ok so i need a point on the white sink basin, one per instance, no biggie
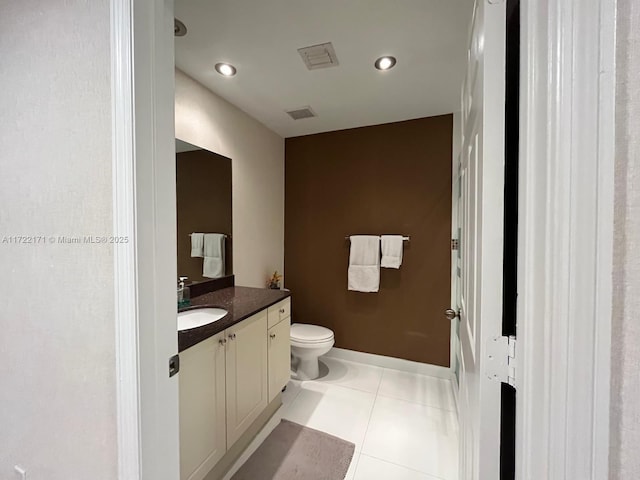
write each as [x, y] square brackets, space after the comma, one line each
[199, 317]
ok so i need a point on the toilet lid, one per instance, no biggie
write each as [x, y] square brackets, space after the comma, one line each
[304, 333]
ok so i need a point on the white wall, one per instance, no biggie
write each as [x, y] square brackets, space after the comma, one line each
[57, 407]
[625, 394]
[257, 154]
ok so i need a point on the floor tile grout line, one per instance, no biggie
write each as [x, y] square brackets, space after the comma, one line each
[369, 421]
[317, 382]
[295, 397]
[357, 460]
[404, 466]
[418, 403]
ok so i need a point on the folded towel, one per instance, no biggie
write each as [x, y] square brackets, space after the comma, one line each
[391, 251]
[364, 263]
[214, 255]
[197, 244]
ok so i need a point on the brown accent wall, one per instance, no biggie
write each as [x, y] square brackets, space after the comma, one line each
[385, 179]
[203, 193]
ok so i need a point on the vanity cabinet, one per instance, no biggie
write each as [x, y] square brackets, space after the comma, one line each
[279, 321]
[226, 383]
[246, 374]
[203, 439]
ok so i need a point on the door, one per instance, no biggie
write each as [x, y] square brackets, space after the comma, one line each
[246, 374]
[481, 205]
[279, 357]
[203, 439]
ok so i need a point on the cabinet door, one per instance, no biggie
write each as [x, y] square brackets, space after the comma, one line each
[203, 438]
[246, 374]
[279, 357]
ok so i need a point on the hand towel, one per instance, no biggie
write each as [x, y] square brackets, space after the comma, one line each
[214, 255]
[364, 263]
[197, 244]
[391, 251]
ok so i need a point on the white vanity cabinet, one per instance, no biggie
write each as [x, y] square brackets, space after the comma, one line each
[246, 374]
[203, 439]
[279, 321]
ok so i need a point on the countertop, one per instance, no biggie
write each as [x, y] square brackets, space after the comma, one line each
[240, 302]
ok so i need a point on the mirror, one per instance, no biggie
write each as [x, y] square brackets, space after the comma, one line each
[203, 205]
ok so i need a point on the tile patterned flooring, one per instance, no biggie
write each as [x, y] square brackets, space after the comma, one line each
[404, 425]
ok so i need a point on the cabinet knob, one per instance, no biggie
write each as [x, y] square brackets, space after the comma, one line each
[273, 335]
[282, 310]
[232, 336]
[222, 341]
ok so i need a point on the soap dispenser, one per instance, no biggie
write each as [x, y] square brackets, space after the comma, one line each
[184, 294]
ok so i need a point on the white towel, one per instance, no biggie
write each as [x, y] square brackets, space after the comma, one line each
[197, 244]
[391, 251]
[364, 263]
[213, 264]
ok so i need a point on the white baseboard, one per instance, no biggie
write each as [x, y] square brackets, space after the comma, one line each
[391, 362]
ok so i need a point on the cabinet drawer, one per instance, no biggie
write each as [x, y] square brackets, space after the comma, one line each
[279, 311]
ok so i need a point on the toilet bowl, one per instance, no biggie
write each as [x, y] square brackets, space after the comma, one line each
[308, 342]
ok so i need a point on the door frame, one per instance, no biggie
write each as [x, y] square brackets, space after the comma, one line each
[143, 173]
[564, 128]
[567, 133]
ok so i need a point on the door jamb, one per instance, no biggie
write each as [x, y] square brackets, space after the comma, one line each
[142, 70]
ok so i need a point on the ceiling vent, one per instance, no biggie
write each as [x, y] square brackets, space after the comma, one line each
[300, 113]
[319, 56]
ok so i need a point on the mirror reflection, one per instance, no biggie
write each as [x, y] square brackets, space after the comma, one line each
[203, 206]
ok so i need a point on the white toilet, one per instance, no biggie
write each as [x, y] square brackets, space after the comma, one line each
[308, 342]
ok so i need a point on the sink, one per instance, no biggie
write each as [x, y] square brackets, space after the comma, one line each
[199, 317]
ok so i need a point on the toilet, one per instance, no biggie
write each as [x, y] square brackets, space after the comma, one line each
[308, 342]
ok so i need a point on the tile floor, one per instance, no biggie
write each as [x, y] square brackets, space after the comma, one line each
[404, 425]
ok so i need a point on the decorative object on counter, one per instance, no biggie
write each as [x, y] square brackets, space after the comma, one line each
[274, 281]
[184, 294]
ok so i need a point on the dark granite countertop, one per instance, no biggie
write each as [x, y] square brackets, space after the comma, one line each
[240, 302]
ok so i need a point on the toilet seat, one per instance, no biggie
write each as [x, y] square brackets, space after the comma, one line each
[304, 334]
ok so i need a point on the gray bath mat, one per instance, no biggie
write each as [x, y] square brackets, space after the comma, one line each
[294, 452]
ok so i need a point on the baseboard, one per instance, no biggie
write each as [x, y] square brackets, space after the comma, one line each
[391, 362]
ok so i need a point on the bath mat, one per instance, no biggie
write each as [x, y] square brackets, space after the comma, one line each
[294, 452]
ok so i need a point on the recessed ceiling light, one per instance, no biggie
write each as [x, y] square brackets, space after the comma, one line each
[225, 69]
[385, 63]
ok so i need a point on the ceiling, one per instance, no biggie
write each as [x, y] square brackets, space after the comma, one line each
[261, 38]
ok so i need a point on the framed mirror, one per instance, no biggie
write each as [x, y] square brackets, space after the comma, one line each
[204, 213]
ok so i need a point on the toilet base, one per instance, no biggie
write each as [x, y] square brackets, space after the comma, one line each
[308, 368]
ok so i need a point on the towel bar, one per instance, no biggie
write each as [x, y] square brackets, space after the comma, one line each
[225, 236]
[406, 239]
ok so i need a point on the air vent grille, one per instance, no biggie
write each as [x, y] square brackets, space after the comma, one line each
[300, 113]
[319, 56]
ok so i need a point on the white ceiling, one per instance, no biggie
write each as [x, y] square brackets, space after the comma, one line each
[261, 37]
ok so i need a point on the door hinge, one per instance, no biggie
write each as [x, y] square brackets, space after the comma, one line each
[455, 244]
[501, 360]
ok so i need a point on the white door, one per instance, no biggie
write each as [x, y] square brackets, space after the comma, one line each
[481, 243]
